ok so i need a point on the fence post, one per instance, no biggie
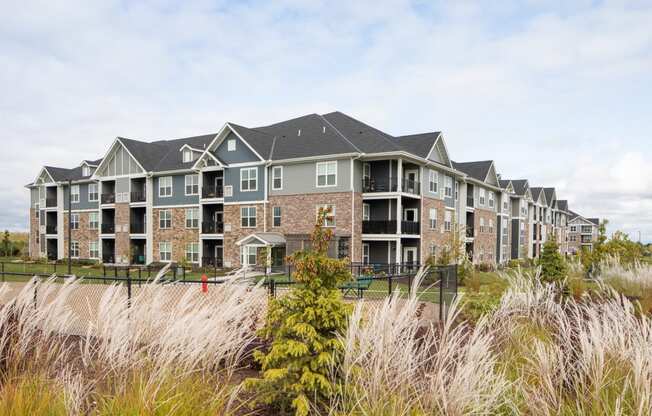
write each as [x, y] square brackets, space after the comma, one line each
[128, 289]
[184, 274]
[389, 285]
[35, 294]
[3, 272]
[272, 288]
[441, 296]
[55, 267]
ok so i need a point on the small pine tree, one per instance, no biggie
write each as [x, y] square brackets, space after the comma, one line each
[552, 263]
[303, 328]
[6, 242]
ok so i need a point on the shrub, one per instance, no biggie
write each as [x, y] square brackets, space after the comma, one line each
[303, 328]
[552, 263]
[485, 267]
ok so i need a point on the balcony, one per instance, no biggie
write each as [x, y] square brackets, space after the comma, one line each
[212, 261]
[379, 184]
[50, 202]
[108, 228]
[378, 227]
[137, 228]
[470, 232]
[108, 198]
[411, 187]
[410, 227]
[469, 201]
[50, 229]
[212, 227]
[136, 197]
[212, 191]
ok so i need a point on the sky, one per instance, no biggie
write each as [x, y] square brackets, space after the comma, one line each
[559, 93]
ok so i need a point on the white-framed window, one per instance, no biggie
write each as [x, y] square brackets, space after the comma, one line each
[366, 171]
[192, 184]
[448, 220]
[248, 179]
[329, 220]
[433, 250]
[448, 186]
[277, 178]
[573, 238]
[93, 221]
[93, 250]
[74, 221]
[482, 196]
[187, 155]
[164, 219]
[482, 225]
[74, 249]
[192, 217]
[165, 186]
[192, 252]
[491, 225]
[86, 171]
[165, 250]
[326, 174]
[366, 212]
[432, 217]
[230, 145]
[365, 253]
[276, 216]
[248, 255]
[93, 194]
[505, 206]
[491, 199]
[74, 194]
[433, 181]
[573, 228]
[248, 217]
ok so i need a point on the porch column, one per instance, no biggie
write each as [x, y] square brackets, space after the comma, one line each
[399, 214]
[399, 175]
[399, 251]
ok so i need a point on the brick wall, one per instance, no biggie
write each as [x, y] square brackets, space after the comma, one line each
[178, 234]
[232, 219]
[436, 236]
[485, 242]
[84, 235]
[34, 248]
[122, 254]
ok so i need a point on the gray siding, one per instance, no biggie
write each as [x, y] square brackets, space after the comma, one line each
[241, 154]
[516, 232]
[83, 203]
[232, 177]
[301, 178]
[33, 197]
[178, 192]
[120, 163]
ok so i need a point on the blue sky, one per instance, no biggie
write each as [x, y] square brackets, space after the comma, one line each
[559, 93]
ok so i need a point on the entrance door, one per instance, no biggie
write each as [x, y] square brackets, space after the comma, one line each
[410, 214]
[410, 255]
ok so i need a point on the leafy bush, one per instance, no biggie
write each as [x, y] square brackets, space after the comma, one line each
[485, 267]
[303, 328]
[552, 263]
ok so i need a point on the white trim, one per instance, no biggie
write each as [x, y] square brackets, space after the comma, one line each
[95, 175]
[316, 158]
[252, 169]
[171, 186]
[218, 139]
[327, 163]
[273, 178]
[185, 184]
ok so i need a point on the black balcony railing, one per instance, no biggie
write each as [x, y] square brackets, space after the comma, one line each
[108, 258]
[469, 231]
[410, 227]
[469, 201]
[108, 228]
[50, 202]
[411, 187]
[138, 196]
[380, 184]
[212, 191]
[212, 227]
[138, 259]
[137, 228]
[108, 198]
[50, 229]
[379, 227]
[212, 261]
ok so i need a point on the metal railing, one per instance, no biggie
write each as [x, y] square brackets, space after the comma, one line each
[108, 198]
[50, 202]
[470, 231]
[137, 197]
[378, 227]
[389, 184]
[469, 201]
[137, 228]
[411, 187]
[212, 191]
[50, 229]
[108, 228]
[212, 227]
[410, 227]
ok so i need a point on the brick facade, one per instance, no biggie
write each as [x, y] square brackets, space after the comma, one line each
[83, 235]
[236, 232]
[178, 235]
[484, 244]
[122, 254]
[34, 234]
[437, 236]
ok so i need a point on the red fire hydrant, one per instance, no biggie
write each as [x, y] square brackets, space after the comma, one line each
[204, 283]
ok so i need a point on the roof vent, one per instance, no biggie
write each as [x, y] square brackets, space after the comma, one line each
[323, 129]
[299, 133]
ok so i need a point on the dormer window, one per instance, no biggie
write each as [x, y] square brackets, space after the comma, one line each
[230, 145]
[86, 171]
[187, 155]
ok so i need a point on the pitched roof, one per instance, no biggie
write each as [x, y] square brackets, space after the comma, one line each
[562, 204]
[536, 192]
[477, 170]
[504, 183]
[418, 144]
[164, 155]
[520, 186]
[595, 221]
[549, 192]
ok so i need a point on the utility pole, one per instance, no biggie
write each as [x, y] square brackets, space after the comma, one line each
[69, 227]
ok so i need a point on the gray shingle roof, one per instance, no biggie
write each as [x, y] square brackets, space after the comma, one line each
[549, 194]
[595, 221]
[164, 155]
[477, 170]
[562, 204]
[520, 186]
[504, 183]
[418, 144]
[536, 192]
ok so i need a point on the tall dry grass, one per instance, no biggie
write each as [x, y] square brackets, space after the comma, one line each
[170, 346]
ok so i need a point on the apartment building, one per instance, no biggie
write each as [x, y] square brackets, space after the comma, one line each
[230, 197]
[582, 232]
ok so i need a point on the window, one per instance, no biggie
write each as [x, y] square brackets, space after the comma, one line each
[165, 250]
[230, 145]
[491, 199]
[192, 217]
[366, 212]
[433, 250]
[482, 225]
[248, 217]
[482, 196]
[165, 186]
[187, 155]
[448, 220]
[93, 194]
[86, 171]
[164, 219]
[74, 221]
[366, 171]
[93, 250]
[277, 178]
[326, 174]
[329, 221]
[448, 186]
[93, 222]
[433, 218]
[365, 253]
[573, 228]
[192, 184]
[192, 252]
[505, 206]
[457, 191]
[491, 225]
[74, 194]
[248, 255]
[573, 238]
[276, 216]
[433, 181]
[248, 179]
[74, 249]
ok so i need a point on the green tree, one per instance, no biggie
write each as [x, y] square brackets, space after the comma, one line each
[591, 259]
[303, 328]
[6, 243]
[553, 266]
